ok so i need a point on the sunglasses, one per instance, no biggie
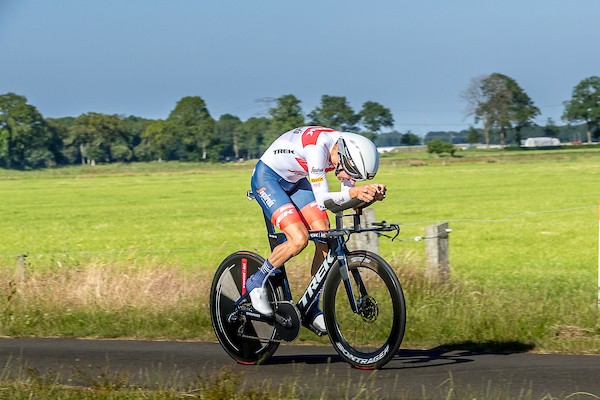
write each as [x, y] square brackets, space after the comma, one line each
[346, 163]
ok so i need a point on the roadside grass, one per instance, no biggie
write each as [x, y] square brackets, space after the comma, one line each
[228, 384]
[107, 301]
[129, 250]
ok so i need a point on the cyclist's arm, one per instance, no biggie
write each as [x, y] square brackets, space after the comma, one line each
[317, 159]
[337, 197]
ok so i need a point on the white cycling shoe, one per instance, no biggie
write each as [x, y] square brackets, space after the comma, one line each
[260, 301]
[319, 323]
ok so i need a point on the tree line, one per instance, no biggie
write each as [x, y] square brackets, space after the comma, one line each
[503, 107]
[190, 133]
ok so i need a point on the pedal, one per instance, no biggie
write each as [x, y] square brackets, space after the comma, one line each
[287, 321]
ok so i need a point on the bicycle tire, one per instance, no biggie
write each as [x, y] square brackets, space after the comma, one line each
[225, 290]
[370, 338]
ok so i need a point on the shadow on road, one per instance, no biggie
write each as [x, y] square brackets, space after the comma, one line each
[451, 353]
[305, 359]
[455, 353]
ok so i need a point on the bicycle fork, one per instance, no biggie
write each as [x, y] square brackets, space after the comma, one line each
[345, 273]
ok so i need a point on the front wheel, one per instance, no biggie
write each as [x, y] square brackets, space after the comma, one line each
[371, 337]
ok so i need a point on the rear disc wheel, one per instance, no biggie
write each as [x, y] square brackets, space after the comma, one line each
[234, 331]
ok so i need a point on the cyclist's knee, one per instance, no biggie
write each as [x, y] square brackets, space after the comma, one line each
[297, 241]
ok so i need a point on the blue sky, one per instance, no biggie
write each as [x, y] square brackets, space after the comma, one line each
[139, 57]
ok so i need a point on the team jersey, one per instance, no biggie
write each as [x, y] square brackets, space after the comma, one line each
[305, 153]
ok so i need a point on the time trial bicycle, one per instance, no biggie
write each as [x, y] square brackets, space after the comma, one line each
[363, 303]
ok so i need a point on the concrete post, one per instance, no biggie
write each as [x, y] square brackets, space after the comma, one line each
[368, 240]
[436, 252]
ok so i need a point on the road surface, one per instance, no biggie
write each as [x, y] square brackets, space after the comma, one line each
[315, 369]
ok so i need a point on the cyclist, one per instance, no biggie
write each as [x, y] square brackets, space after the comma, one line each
[290, 184]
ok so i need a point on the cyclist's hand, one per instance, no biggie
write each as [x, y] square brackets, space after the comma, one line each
[368, 193]
[381, 190]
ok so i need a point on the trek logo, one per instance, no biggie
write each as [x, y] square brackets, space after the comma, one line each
[283, 151]
[265, 197]
[316, 280]
[282, 212]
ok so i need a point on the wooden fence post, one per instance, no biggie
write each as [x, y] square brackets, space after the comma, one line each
[368, 240]
[436, 252]
[21, 266]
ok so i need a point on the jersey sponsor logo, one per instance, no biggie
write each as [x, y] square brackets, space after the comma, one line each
[283, 151]
[265, 197]
[316, 180]
[316, 171]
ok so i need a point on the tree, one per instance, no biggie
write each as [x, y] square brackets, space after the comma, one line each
[25, 139]
[285, 115]
[159, 144]
[374, 116]
[499, 102]
[473, 135]
[522, 110]
[551, 130]
[251, 134]
[99, 137]
[386, 139]
[584, 105]
[133, 128]
[191, 123]
[410, 139]
[227, 131]
[335, 112]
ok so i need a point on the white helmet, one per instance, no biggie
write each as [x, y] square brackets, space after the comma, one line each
[358, 156]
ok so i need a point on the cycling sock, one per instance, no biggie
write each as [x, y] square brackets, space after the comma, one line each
[259, 278]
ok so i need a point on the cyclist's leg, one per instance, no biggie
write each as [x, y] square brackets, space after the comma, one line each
[279, 208]
[312, 216]
[274, 195]
[316, 219]
[297, 239]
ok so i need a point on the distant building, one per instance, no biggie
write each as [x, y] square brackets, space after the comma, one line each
[541, 142]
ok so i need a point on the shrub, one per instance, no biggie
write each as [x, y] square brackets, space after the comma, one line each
[436, 146]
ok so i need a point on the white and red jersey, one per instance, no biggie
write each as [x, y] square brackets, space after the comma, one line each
[305, 153]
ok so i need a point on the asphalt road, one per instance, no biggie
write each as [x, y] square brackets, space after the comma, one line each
[314, 369]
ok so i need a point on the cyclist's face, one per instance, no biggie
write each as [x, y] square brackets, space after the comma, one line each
[339, 171]
[343, 175]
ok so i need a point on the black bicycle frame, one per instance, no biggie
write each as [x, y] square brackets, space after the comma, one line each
[337, 251]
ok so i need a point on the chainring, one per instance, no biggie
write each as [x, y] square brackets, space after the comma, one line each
[287, 321]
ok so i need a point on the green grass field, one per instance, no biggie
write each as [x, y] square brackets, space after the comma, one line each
[523, 247]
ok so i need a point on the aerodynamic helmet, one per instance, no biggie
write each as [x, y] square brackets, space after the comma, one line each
[358, 156]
